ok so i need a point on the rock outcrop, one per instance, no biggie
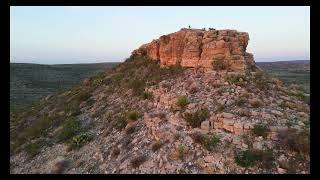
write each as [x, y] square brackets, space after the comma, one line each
[200, 48]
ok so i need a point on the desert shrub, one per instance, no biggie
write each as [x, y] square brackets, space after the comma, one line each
[38, 127]
[246, 158]
[133, 115]
[82, 96]
[137, 86]
[70, 128]
[32, 149]
[221, 90]
[244, 95]
[218, 64]
[209, 142]
[256, 103]
[265, 158]
[156, 145]
[220, 108]
[80, 140]
[241, 101]
[193, 89]
[238, 79]
[147, 95]
[182, 101]
[120, 122]
[244, 112]
[137, 161]
[260, 130]
[98, 79]
[300, 95]
[130, 129]
[180, 151]
[261, 80]
[115, 152]
[195, 119]
[294, 140]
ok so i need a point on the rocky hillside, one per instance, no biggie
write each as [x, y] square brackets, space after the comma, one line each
[144, 116]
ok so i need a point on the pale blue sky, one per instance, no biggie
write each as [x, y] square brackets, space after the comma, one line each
[74, 34]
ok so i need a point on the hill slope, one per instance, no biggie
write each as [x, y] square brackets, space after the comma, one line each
[140, 118]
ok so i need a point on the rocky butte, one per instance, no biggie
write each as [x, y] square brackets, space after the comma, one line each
[201, 48]
[140, 118]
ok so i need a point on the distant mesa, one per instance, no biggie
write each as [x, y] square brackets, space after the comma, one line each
[201, 48]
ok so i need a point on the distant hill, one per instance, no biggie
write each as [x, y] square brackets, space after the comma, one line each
[31, 81]
[291, 72]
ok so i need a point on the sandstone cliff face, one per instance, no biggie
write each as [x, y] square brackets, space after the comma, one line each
[200, 48]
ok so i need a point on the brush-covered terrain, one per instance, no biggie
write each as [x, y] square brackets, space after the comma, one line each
[290, 72]
[29, 82]
[140, 118]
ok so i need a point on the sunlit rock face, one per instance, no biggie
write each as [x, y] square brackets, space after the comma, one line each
[200, 48]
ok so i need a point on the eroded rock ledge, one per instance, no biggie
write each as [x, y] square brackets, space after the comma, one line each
[200, 48]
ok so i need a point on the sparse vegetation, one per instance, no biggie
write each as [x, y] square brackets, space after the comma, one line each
[238, 79]
[260, 130]
[246, 158]
[209, 142]
[70, 128]
[120, 122]
[195, 119]
[147, 95]
[296, 141]
[182, 101]
[80, 140]
[133, 115]
[256, 103]
[115, 152]
[220, 107]
[241, 101]
[33, 149]
[156, 145]
[137, 161]
[261, 80]
[180, 151]
[130, 129]
[244, 112]
[218, 64]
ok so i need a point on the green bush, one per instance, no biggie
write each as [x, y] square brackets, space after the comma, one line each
[182, 101]
[133, 115]
[70, 128]
[80, 140]
[147, 95]
[33, 149]
[260, 130]
[209, 142]
[238, 79]
[195, 119]
[246, 158]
